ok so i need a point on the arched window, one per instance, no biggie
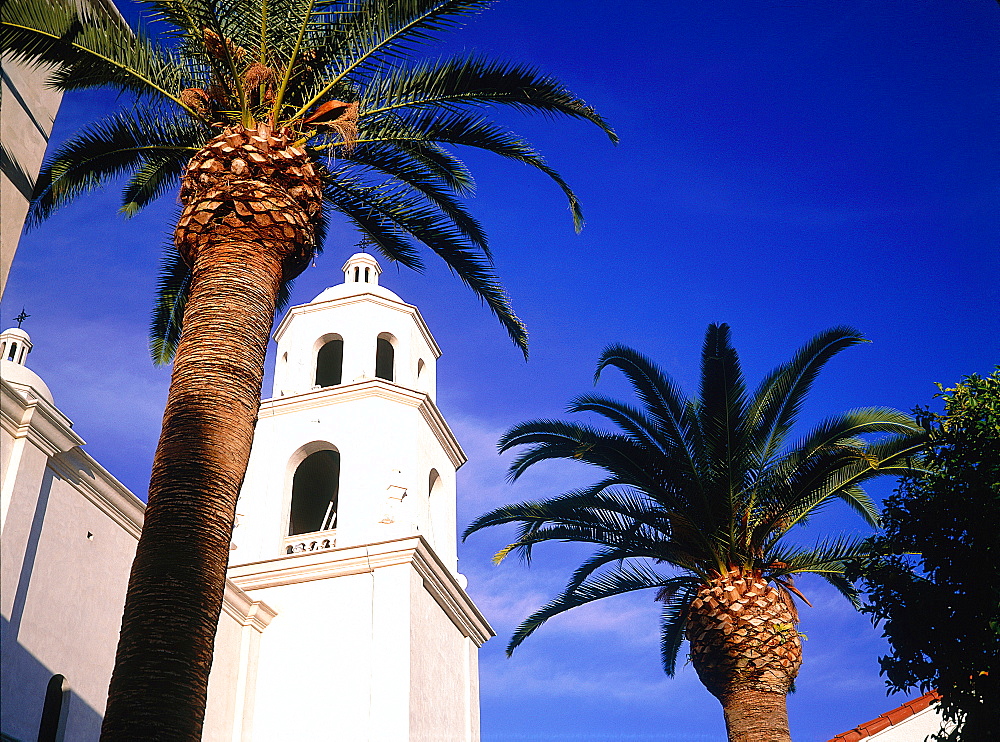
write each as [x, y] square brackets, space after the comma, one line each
[13, 351]
[357, 272]
[54, 710]
[330, 363]
[315, 487]
[384, 357]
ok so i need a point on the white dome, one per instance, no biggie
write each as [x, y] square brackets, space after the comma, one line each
[361, 272]
[22, 377]
[355, 289]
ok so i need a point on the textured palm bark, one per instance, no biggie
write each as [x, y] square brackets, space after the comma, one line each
[174, 599]
[747, 651]
[754, 715]
[251, 234]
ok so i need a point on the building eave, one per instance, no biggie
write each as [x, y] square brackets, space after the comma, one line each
[350, 560]
[377, 388]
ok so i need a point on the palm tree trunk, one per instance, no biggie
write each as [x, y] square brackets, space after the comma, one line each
[754, 715]
[174, 599]
[248, 225]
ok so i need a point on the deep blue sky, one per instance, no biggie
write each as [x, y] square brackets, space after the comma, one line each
[784, 167]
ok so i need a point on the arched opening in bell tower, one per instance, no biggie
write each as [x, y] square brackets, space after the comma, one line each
[330, 362]
[315, 490]
[385, 357]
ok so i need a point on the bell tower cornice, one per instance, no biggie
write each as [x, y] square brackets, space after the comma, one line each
[327, 397]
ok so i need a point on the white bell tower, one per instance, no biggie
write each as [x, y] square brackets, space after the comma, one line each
[346, 527]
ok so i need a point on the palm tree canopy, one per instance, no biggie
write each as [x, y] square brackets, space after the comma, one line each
[702, 485]
[336, 74]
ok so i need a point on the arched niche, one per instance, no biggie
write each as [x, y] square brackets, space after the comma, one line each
[315, 490]
[385, 357]
[329, 361]
[435, 486]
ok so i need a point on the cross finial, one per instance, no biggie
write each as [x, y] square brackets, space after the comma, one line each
[21, 317]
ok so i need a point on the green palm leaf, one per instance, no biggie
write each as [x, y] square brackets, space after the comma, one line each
[705, 485]
[149, 145]
[616, 581]
[451, 84]
[673, 619]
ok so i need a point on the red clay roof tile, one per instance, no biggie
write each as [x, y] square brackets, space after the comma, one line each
[886, 720]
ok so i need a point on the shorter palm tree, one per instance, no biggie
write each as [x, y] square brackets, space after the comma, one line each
[697, 501]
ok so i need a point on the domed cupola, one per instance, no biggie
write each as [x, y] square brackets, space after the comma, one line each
[362, 268]
[15, 344]
[353, 332]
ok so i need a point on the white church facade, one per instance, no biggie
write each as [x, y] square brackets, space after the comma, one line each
[345, 616]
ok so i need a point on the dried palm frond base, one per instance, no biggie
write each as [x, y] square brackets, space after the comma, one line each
[251, 184]
[743, 635]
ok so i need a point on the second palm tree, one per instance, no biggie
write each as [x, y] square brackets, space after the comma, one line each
[710, 488]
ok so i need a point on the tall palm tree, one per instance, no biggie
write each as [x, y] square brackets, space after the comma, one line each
[698, 499]
[271, 114]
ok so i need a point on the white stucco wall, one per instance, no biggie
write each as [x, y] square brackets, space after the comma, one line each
[27, 112]
[69, 535]
[386, 446]
[374, 642]
[443, 669]
[916, 728]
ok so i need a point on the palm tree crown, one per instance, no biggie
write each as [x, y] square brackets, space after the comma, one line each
[272, 114]
[332, 78]
[700, 496]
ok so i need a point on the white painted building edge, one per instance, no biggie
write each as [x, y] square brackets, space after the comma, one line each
[52, 432]
[438, 579]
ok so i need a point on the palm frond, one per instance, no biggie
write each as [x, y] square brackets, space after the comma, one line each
[122, 143]
[89, 49]
[673, 621]
[842, 428]
[554, 439]
[383, 212]
[778, 399]
[168, 310]
[424, 178]
[630, 419]
[721, 413]
[658, 393]
[623, 579]
[377, 34]
[458, 82]
[436, 127]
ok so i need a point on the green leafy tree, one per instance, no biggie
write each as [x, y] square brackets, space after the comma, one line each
[271, 115]
[933, 581]
[697, 500]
